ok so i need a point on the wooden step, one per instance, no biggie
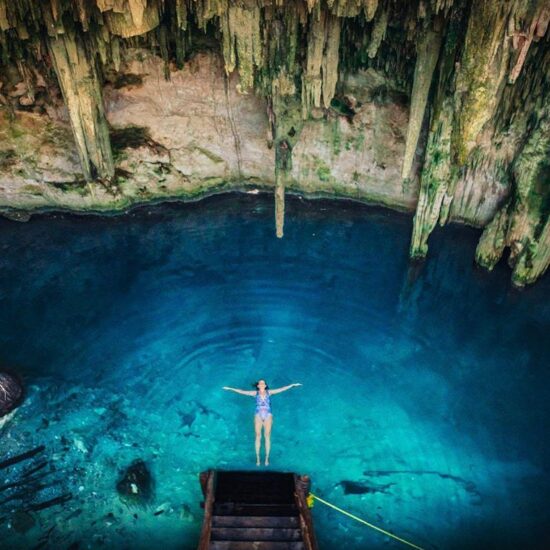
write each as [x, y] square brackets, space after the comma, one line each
[255, 487]
[255, 534]
[249, 545]
[282, 522]
[250, 509]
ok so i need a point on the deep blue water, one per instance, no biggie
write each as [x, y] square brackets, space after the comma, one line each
[425, 399]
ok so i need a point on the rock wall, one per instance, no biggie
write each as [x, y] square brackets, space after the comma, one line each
[437, 107]
[194, 134]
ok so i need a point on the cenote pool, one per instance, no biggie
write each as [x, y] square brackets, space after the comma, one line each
[425, 399]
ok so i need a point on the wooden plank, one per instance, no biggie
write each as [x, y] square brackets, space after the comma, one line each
[238, 509]
[256, 521]
[255, 534]
[204, 541]
[261, 545]
[302, 484]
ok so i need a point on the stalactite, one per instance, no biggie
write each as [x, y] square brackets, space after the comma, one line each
[102, 43]
[284, 109]
[523, 123]
[493, 240]
[352, 8]
[312, 83]
[115, 52]
[205, 10]
[26, 75]
[81, 89]
[370, 7]
[137, 10]
[135, 20]
[242, 42]
[181, 14]
[482, 69]
[378, 31]
[523, 223]
[441, 5]
[534, 260]
[55, 10]
[435, 180]
[279, 203]
[522, 40]
[438, 177]
[427, 55]
[329, 65]
[53, 23]
[82, 7]
[321, 72]
[4, 23]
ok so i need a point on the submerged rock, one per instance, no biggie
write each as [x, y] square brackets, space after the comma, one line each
[11, 392]
[22, 521]
[16, 215]
[136, 486]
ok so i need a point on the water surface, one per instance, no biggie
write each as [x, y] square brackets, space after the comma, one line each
[424, 406]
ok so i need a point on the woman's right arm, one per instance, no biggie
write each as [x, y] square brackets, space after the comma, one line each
[242, 392]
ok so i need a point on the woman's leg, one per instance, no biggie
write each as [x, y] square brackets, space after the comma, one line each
[258, 429]
[268, 422]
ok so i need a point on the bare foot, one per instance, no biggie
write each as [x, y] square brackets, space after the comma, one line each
[257, 461]
[267, 461]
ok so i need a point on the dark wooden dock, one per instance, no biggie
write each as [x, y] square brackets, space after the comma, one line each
[256, 511]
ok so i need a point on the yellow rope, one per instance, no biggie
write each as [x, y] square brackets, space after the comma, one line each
[365, 522]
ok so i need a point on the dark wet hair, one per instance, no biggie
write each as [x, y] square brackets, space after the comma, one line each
[255, 385]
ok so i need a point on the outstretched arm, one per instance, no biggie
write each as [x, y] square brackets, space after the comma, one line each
[284, 388]
[242, 392]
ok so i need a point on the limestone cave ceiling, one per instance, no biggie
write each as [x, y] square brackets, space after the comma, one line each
[472, 77]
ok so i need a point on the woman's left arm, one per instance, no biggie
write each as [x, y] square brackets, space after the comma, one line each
[284, 388]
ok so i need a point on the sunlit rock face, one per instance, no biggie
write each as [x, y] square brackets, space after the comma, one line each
[11, 393]
[440, 108]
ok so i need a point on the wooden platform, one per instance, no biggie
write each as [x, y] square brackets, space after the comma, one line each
[255, 511]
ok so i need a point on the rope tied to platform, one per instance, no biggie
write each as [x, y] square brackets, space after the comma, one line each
[311, 497]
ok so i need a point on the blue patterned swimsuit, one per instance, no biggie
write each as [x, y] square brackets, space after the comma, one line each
[263, 405]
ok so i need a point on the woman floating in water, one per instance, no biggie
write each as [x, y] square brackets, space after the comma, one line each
[263, 416]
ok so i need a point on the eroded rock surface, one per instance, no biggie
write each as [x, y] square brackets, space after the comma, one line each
[11, 392]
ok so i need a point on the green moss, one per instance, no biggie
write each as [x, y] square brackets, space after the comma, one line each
[32, 189]
[8, 158]
[335, 136]
[130, 137]
[216, 159]
[538, 199]
[341, 107]
[15, 132]
[125, 80]
[359, 141]
[57, 135]
[161, 169]
[323, 171]
[80, 187]
[121, 176]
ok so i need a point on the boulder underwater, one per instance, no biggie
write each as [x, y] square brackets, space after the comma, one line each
[135, 488]
[11, 392]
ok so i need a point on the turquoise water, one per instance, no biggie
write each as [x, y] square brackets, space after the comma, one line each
[425, 398]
